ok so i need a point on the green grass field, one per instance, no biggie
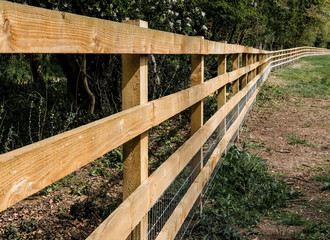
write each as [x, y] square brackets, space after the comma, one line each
[312, 79]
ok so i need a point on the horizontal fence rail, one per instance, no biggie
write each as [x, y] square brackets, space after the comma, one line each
[156, 206]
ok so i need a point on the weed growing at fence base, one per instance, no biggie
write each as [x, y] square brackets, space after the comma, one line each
[241, 191]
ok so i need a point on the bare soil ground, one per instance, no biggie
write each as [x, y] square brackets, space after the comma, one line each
[268, 130]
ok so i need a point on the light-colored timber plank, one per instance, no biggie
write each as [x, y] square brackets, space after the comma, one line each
[250, 62]
[221, 97]
[135, 92]
[196, 116]
[29, 169]
[135, 151]
[37, 30]
[244, 63]
[235, 67]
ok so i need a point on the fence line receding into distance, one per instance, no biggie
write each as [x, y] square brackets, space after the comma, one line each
[156, 206]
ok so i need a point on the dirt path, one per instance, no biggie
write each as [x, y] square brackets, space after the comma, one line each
[292, 134]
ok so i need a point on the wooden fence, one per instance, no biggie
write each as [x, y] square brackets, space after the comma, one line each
[27, 170]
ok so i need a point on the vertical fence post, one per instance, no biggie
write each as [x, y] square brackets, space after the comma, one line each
[254, 61]
[235, 90]
[221, 98]
[262, 57]
[197, 77]
[244, 63]
[250, 62]
[235, 67]
[135, 151]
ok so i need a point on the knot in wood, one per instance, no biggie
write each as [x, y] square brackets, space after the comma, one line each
[5, 25]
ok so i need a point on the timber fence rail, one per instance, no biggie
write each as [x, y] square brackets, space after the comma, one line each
[154, 207]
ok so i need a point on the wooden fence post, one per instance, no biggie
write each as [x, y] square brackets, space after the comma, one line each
[235, 67]
[244, 63]
[135, 151]
[221, 98]
[250, 62]
[235, 90]
[197, 77]
[254, 61]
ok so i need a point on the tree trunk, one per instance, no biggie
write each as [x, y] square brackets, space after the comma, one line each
[77, 83]
[38, 78]
[233, 32]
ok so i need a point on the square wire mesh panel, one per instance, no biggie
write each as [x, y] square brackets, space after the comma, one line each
[231, 117]
[241, 104]
[213, 141]
[188, 225]
[165, 205]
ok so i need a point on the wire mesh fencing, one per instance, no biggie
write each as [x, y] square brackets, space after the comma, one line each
[166, 204]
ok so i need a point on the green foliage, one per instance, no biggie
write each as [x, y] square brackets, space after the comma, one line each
[241, 191]
[324, 178]
[293, 139]
[255, 145]
[290, 218]
[314, 230]
[30, 225]
[317, 230]
[11, 233]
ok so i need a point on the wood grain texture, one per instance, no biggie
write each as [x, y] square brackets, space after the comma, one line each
[38, 30]
[29, 169]
[197, 114]
[250, 62]
[135, 151]
[244, 63]
[134, 93]
[235, 67]
[221, 97]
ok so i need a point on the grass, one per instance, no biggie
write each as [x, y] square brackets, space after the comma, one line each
[312, 230]
[290, 218]
[324, 178]
[241, 192]
[310, 80]
[293, 139]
